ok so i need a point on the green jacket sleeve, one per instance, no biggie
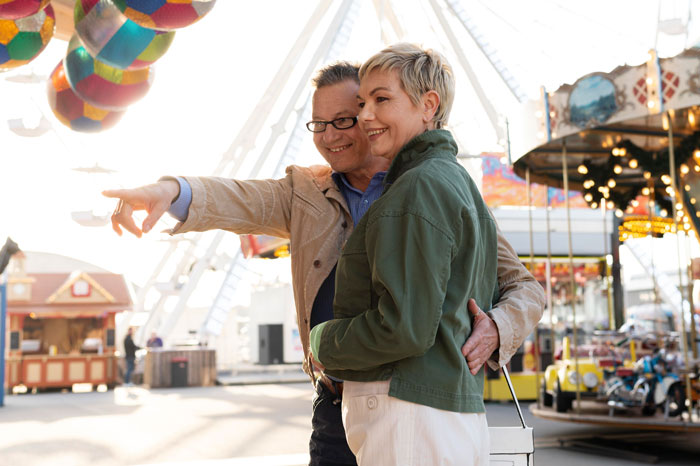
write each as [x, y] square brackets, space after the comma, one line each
[410, 262]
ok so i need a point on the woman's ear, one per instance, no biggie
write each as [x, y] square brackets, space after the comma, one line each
[430, 102]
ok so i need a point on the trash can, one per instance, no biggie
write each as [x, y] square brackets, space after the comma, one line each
[178, 372]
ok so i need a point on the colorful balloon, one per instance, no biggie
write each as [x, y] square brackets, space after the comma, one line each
[22, 40]
[165, 14]
[102, 85]
[114, 39]
[74, 112]
[16, 9]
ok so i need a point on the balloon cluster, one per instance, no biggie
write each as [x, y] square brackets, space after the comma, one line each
[26, 27]
[108, 63]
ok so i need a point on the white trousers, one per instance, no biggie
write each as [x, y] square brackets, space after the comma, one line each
[385, 431]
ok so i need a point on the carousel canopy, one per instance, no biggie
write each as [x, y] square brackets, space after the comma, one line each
[614, 129]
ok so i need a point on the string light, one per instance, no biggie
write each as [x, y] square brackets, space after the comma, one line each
[645, 191]
[616, 152]
[684, 169]
[588, 197]
[639, 226]
[664, 212]
[666, 179]
[633, 163]
[582, 169]
[647, 175]
[618, 169]
[594, 205]
[612, 183]
[611, 205]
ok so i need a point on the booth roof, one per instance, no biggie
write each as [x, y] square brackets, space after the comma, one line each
[46, 284]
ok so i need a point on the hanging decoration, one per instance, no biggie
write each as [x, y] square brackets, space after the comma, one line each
[113, 39]
[22, 40]
[74, 112]
[641, 226]
[102, 85]
[16, 9]
[627, 162]
[165, 15]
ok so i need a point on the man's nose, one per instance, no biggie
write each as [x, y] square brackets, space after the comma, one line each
[331, 133]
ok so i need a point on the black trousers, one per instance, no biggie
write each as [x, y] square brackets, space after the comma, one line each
[328, 446]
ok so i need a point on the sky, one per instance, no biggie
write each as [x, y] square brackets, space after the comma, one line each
[208, 84]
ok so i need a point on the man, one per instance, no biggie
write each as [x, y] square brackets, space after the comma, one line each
[129, 355]
[155, 341]
[317, 208]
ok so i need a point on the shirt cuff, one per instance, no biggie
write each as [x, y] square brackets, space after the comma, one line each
[315, 340]
[180, 207]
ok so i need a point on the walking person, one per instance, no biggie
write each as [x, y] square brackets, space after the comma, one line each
[129, 355]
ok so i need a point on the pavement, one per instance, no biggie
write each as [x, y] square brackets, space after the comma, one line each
[258, 424]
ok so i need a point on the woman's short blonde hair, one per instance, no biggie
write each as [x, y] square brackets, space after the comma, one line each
[420, 70]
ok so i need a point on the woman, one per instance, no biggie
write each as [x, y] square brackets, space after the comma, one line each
[405, 277]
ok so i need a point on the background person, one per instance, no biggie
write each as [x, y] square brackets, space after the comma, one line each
[129, 355]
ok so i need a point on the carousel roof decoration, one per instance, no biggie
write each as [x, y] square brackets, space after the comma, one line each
[641, 226]
[614, 129]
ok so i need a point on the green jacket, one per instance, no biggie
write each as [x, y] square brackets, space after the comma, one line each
[404, 279]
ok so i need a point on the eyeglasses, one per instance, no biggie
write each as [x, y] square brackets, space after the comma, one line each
[338, 123]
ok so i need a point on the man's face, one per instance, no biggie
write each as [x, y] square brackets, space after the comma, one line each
[346, 150]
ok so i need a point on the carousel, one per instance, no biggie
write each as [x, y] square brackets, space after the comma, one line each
[629, 142]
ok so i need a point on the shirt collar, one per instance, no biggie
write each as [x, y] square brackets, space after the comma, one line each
[341, 180]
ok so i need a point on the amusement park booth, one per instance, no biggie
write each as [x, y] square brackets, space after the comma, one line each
[61, 328]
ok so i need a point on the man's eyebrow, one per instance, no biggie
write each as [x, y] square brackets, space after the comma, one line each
[338, 114]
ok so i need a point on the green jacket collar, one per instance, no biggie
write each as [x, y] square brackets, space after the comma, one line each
[437, 142]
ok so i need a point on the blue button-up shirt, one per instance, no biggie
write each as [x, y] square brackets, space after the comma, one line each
[358, 204]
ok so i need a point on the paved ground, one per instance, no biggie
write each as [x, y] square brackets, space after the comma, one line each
[264, 425]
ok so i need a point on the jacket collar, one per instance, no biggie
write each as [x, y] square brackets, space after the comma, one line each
[433, 143]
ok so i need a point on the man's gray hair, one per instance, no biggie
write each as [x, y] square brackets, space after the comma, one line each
[335, 73]
[420, 70]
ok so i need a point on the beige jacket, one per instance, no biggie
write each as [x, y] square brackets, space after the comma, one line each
[308, 208]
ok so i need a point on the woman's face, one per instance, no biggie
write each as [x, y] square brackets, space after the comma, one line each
[388, 115]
